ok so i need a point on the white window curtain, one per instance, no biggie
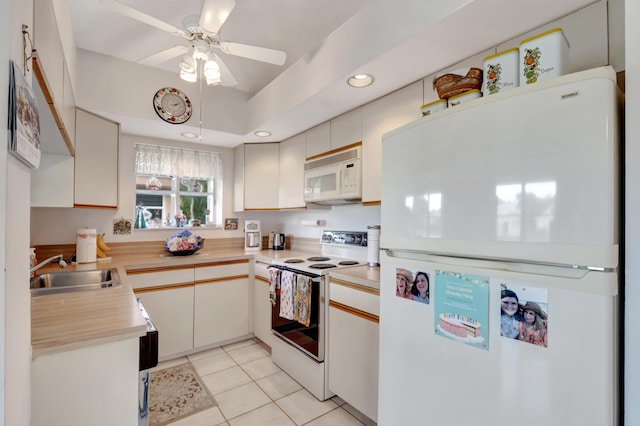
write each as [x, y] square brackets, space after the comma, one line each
[168, 161]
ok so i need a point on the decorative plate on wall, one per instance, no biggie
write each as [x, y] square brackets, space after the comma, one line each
[172, 105]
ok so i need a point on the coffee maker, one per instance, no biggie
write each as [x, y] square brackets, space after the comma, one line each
[252, 235]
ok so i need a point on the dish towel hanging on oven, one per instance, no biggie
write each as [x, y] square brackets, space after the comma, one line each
[274, 282]
[287, 292]
[302, 307]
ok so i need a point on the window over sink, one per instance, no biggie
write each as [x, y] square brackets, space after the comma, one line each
[177, 187]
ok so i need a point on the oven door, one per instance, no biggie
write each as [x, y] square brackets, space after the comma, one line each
[307, 339]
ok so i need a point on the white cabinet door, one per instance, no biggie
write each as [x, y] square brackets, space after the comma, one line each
[46, 39]
[171, 311]
[353, 345]
[261, 176]
[346, 129]
[221, 302]
[292, 156]
[167, 294]
[379, 117]
[318, 139]
[96, 165]
[262, 305]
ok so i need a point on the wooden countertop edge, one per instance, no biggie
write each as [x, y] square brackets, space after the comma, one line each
[58, 346]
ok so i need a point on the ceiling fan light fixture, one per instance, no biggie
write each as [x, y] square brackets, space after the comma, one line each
[360, 80]
[212, 70]
[190, 77]
[213, 81]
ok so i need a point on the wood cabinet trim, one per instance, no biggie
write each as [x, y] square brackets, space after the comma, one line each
[46, 91]
[354, 286]
[353, 311]
[221, 263]
[263, 279]
[213, 280]
[333, 151]
[162, 287]
[150, 270]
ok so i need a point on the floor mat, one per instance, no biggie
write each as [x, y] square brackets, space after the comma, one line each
[176, 392]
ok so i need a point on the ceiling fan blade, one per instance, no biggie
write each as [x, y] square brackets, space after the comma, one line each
[227, 78]
[214, 13]
[165, 55]
[263, 54]
[142, 17]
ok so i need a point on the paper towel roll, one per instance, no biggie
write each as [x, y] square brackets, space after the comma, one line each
[85, 245]
[373, 245]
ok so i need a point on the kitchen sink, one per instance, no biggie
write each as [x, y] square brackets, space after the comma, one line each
[71, 281]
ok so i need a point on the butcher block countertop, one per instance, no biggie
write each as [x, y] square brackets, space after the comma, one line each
[67, 321]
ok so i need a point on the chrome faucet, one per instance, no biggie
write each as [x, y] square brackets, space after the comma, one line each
[61, 263]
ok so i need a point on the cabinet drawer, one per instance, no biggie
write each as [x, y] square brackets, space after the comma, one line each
[362, 298]
[153, 277]
[224, 269]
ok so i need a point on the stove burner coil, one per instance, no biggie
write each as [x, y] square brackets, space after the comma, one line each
[318, 259]
[322, 266]
[348, 262]
[294, 261]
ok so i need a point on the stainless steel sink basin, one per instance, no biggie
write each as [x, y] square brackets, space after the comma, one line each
[70, 281]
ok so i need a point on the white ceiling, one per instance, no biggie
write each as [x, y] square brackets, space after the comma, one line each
[399, 41]
[295, 26]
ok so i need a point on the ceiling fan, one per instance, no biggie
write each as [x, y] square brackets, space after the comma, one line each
[202, 32]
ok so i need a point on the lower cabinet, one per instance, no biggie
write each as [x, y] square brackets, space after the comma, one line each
[93, 385]
[171, 311]
[221, 303]
[262, 304]
[353, 345]
[167, 294]
[195, 306]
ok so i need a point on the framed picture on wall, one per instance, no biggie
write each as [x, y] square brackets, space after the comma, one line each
[231, 223]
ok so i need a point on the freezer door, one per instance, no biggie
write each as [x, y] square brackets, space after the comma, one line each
[531, 173]
[446, 363]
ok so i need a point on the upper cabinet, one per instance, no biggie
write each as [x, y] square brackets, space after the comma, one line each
[52, 74]
[318, 139]
[257, 178]
[379, 117]
[96, 163]
[346, 129]
[292, 157]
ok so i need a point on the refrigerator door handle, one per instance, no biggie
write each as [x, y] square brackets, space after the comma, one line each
[559, 270]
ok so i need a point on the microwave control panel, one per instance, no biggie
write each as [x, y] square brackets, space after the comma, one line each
[350, 177]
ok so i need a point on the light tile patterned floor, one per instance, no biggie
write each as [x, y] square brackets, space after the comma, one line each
[253, 391]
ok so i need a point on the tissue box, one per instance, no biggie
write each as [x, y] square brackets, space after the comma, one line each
[544, 56]
[501, 72]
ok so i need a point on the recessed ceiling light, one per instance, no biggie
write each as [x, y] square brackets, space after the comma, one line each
[189, 134]
[262, 133]
[360, 80]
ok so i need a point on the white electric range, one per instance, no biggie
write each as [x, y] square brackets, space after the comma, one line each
[340, 249]
[301, 348]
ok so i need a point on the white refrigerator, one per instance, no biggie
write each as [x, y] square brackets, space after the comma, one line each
[500, 250]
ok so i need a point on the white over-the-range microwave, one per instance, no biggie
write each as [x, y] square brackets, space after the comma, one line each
[334, 179]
